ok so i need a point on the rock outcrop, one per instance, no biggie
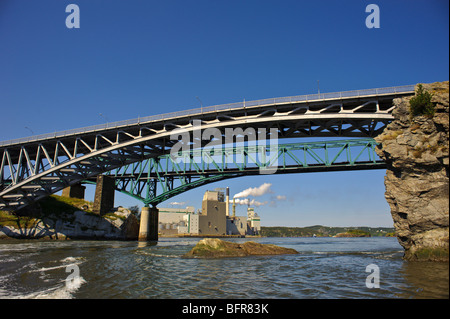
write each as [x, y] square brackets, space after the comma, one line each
[351, 234]
[416, 151]
[215, 248]
[119, 224]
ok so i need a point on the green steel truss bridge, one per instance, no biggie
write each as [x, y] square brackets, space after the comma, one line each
[155, 180]
[34, 167]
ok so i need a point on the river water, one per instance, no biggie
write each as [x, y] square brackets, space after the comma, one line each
[324, 268]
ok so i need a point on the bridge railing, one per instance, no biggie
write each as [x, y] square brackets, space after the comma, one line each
[214, 108]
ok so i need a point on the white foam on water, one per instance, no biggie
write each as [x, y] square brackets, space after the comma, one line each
[68, 262]
[65, 289]
[3, 292]
[48, 268]
[157, 255]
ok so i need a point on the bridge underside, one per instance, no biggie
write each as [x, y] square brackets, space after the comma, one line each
[36, 167]
[158, 179]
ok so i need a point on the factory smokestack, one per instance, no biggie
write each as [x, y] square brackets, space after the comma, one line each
[234, 208]
[228, 202]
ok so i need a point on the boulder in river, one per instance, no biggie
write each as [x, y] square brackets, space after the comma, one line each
[215, 248]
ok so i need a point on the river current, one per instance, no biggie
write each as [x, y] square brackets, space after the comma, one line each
[324, 268]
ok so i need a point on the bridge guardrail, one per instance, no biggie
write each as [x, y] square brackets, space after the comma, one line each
[214, 108]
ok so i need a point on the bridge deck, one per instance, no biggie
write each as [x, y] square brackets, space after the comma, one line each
[223, 108]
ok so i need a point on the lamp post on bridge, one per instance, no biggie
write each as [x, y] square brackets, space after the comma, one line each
[201, 104]
[29, 129]
[105, 118]
[318, 88]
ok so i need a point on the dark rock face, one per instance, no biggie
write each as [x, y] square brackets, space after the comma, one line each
[120, 224]
[416, 150]
[216, 248]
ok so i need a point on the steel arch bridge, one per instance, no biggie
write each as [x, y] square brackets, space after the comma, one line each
[172, 175]
[34, 167]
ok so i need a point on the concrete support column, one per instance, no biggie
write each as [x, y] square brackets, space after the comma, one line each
[104, 195]
[74, 191]
[148, 229]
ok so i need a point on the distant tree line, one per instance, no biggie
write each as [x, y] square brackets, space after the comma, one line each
[323, 231]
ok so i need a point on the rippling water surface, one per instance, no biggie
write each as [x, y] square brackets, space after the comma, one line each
[324, 268]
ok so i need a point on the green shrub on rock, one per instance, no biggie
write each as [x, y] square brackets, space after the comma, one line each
[421, 103]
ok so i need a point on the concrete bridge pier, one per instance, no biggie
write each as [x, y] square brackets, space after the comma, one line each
[74, 191]
[148, 229]
[104, 195]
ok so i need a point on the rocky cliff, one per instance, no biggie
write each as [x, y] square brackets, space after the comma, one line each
[416, 151]
[68, 222]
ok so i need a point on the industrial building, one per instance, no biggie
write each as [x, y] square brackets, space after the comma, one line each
[213, 220]
[173, 221]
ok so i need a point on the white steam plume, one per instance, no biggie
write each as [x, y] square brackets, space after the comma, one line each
[251, 202]
[255, 191]
[177, 203]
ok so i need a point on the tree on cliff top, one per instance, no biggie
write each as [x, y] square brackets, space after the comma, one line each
[421, 103]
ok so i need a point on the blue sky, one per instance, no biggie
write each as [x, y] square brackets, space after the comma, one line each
[138, 58]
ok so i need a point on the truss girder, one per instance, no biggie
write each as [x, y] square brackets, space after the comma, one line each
[155, 180]
[33, 169]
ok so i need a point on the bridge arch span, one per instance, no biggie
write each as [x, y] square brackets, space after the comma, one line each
[157, 179]
[35, 167]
